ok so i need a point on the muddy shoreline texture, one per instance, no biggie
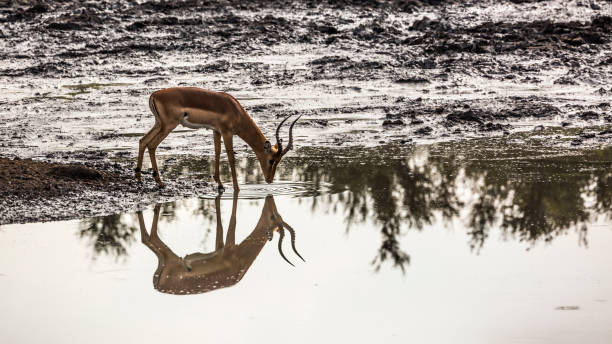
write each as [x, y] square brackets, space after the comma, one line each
[34, 191]
[75, 78]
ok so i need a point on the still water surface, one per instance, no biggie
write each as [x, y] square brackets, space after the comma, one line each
[437, 244]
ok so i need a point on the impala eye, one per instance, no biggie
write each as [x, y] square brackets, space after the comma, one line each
[271, 162]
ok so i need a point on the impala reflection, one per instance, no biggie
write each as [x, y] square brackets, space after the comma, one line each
[202, 272]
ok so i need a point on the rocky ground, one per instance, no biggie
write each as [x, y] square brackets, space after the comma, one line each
[75, 77]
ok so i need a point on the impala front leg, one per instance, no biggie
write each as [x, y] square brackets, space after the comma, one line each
[152, 146]
[219, 237]
[142, 145]
[230, 240]
[228, 139]
[217, 139]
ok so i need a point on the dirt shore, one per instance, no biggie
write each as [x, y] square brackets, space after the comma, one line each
[34, 191]
[34, 179]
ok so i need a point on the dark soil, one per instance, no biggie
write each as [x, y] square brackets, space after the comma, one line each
[31, 179]
[32, 191]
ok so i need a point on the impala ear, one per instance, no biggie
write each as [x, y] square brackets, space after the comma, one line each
[267, 146]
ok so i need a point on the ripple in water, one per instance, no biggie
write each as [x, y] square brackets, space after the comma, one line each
[278, 188]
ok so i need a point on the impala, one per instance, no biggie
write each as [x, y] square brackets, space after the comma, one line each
[203, 272]
[198, 108]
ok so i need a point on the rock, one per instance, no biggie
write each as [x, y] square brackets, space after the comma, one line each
[587, 135]
[605, 132]
[565, 80]
[589, 115]
[426, 24]
[393, 122]
[38, 8]
[424, 131]
[75, 172]
[412, 79]
[492, 127]
[464, 116]
[67, 26]
[533, 110]
[329, 60]
[576, 142]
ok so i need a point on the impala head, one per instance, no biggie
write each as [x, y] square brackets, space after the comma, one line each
[274, 154]
[272, 221]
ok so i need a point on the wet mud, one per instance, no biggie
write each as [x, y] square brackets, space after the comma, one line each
[76, 77]
[34, 191]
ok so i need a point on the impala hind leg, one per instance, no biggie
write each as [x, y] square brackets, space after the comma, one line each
[142, 145]
[152, 146]
[217, 139]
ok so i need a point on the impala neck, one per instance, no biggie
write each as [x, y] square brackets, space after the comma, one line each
[251, 134]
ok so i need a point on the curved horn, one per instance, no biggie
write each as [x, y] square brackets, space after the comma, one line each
[279, 142]
[280, 245]
[290, 144]
[292, 233]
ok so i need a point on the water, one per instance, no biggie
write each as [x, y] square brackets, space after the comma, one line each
[442, 244]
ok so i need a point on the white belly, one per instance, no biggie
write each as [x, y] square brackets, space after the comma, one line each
[191, 125]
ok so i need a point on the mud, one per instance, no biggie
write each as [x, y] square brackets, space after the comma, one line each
[33, 191]
[29, 179]
[76, 75]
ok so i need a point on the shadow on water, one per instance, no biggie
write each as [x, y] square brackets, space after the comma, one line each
[527, 196]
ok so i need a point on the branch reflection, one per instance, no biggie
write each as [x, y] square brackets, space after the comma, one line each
[108, 235]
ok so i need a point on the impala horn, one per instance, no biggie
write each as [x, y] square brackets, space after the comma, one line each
[279, 142]
[292, 233]
[281, 231]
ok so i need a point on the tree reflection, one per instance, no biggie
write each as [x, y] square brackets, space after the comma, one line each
[107, 234]
[531, 200]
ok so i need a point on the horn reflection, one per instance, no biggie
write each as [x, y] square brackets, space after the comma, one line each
[292, 233]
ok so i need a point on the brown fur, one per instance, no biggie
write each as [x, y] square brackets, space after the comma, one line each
[203, 272]
[218, 111]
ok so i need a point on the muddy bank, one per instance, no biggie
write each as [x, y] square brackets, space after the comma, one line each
[31, 179]
[34, 191]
